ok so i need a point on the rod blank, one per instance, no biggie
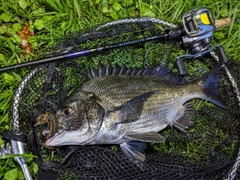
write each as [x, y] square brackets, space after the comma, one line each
[79, 53]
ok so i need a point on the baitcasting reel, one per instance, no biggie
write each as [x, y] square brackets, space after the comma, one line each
[198, 26]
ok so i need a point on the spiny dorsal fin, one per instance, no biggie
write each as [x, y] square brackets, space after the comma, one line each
[102, 70]
[93, 73]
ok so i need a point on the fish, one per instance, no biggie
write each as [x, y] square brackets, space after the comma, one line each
[129, 107]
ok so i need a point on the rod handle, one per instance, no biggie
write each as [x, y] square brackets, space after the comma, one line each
[222, 22]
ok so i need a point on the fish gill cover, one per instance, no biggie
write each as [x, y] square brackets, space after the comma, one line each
[205, 151]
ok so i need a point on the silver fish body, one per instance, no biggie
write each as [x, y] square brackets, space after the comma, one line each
[130, 109]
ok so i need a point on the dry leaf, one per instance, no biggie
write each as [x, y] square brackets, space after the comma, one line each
[24, 34]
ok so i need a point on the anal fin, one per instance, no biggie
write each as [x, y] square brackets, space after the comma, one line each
[187, 120]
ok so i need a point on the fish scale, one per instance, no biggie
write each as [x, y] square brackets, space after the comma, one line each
[164, 115]
[114, 87]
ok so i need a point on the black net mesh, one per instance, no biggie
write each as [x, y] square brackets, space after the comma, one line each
[206, 151]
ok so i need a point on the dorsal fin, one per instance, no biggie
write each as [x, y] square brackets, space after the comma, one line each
[102, 70]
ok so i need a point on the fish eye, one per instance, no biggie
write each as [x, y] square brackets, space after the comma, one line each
[66, 111]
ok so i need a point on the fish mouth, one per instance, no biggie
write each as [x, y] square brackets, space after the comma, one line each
[51, 121]
[50, 139]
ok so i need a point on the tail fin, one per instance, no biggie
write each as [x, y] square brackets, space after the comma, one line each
[210, 83]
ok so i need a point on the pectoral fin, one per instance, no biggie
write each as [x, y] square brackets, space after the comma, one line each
[132, 109]
[134, 150]
[146, 137]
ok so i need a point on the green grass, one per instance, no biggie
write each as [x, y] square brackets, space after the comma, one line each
[53, 19]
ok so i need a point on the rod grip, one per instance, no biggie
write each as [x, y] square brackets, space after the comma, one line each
[222, 22]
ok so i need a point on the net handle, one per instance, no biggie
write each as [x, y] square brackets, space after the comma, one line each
[18, 146]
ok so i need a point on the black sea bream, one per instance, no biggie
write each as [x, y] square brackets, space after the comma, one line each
[128, 107]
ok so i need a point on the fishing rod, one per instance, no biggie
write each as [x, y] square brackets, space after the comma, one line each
[80, 53]
[198, 27]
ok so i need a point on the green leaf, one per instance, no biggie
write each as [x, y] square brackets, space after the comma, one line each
[2, 57]
[8, 78]
[149, 13]
[20, 175]
[47, 18]
[127, 3]
[38, 12]
[3, 119]
[11, 174]
[3, 29]
[35, 168]
[23, 4]
[39, 24]
[7, 30]
[16, 38]
[5, 17]
[31, 25]
[219, 35]
[224, 12]
[1, 141]
[17, 27]
[114, 15]
[17, 77]
[117, 6]
[6, 156]
[6, 127]
[64, 24]
[105, 10]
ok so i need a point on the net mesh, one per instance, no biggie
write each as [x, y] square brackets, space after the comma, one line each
[207, 151]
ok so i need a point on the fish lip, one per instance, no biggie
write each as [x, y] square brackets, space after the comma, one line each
[52, 138]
